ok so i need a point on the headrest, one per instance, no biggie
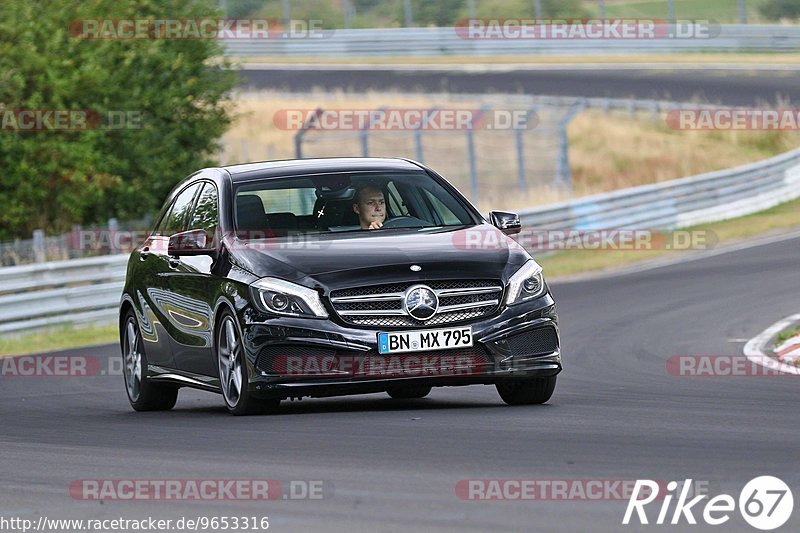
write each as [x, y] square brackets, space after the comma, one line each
[250, 213]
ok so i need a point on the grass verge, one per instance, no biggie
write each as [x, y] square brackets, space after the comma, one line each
[62, 338]
[782, 217]
[784, 336]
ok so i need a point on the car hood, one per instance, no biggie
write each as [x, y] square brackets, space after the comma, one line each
[356, 259]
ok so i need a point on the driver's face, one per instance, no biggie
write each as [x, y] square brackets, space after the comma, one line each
[371, 207]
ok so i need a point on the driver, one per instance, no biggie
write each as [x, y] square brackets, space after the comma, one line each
[370, 206]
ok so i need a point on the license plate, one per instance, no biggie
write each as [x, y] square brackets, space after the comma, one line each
[425, 340]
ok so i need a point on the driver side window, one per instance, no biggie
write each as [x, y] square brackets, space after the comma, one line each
[176, 218]
[205, 211]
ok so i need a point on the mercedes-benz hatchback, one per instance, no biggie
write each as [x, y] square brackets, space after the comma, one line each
[327, 277]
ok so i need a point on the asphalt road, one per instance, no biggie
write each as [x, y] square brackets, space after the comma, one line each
[393, 465]
[704, 84]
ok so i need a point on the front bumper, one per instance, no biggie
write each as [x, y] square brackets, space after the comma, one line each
[292, 357]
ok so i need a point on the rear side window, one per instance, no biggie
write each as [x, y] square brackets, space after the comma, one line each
[205, 214]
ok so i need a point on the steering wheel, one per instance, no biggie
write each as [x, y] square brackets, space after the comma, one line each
[405, 222]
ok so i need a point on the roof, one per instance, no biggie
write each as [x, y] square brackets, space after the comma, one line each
[295, 167]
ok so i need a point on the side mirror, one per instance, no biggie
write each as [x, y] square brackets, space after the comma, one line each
[192, 242]
[508, 223]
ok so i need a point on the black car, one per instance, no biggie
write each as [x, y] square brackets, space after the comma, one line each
[327, 277]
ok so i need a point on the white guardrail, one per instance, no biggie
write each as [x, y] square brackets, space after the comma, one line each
[421, 42]
[88, 290]
[679, 203]
[78, 291]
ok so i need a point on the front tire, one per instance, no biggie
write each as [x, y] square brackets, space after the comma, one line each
[527, 391]
[143, 394]
[234, 377]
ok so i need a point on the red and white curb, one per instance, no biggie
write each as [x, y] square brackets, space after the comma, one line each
[755, 347]
[789, 350]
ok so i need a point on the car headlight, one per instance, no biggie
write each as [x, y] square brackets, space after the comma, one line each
[281, 297]
[526, 283]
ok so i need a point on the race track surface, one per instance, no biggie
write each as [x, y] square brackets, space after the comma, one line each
[702, 84]
[393, 465]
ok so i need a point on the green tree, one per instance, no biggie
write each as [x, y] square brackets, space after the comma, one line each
[448, 12]
[52, 179]
[780, 9]
[441, 13]
[526, 9]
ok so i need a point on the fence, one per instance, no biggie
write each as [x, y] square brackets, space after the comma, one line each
[77, 243]
[484, 162]
[478, 161]
[61, 292]
[443, 42]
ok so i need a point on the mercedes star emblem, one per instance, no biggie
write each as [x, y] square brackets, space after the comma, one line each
[421, 302]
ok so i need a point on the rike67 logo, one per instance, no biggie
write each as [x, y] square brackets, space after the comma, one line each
[765, 503]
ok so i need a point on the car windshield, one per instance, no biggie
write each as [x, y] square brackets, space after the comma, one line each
[344, 202]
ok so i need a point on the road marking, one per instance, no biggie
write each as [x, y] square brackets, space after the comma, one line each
[754, 349]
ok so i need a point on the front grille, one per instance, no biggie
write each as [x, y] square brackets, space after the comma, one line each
[536, 342]
[382, 305]
[309, 361]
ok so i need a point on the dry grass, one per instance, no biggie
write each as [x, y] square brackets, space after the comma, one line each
[614, 151]
[254, 136]
[608, 151]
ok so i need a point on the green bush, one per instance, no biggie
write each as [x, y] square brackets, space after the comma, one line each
[53, 179]
[780, 9]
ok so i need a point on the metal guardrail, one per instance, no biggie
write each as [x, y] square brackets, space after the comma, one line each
[61, 293]
[679, 203]
[424, 42]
